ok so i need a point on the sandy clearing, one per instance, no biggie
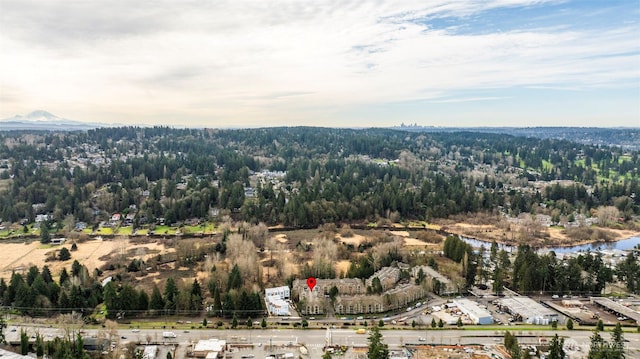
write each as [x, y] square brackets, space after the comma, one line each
[281, 237]
[400, 233]
[355, 239]
[20, 256]
[416, 242]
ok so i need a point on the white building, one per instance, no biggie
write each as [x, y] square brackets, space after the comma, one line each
[150, 352]
[528, 310]
[474, 312]
[281, 292]
[277, 306]
[277, 300]
[211, 348]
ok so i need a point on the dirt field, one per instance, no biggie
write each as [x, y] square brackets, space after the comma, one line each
[92, 254]
[355, 239]
[281, 237]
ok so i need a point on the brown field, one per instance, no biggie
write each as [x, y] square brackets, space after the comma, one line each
[355, 239]
[281, 237]
[516, 234]
[92, 254]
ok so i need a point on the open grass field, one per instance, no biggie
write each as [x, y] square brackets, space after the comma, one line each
[92, 253]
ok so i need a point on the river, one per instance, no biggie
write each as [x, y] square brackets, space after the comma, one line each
[624, 244]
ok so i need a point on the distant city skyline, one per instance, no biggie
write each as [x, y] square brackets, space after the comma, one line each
[449, 63]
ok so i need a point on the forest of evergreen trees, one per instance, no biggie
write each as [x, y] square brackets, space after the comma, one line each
[332, 175]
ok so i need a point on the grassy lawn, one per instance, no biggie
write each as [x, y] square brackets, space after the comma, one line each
[125, 230]
[165, 230]
[105, 231]
[546, 165]
[142, 232]
[210, 227]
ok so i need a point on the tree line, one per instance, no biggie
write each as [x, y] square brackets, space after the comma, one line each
[38, 294]
[332, 175]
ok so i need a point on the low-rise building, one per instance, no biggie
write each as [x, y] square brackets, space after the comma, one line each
[150, 352]
[388, 277]
[528, 310]
[277, 300]
[432, 275]
[281, 292]
[616, 307]
[210, 348]
[475, 313]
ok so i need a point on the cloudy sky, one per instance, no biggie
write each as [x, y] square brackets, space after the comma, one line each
[337, 63]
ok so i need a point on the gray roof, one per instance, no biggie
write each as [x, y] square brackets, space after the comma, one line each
[526, 307]
[617, 307]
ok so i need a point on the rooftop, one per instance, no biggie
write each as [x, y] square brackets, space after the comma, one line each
[617, 307]
[526, 307]
[210, 345]
[471, 308]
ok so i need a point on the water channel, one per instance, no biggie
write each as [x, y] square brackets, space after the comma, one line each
[625, 244]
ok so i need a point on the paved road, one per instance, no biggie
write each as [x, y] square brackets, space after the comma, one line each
[318, 337]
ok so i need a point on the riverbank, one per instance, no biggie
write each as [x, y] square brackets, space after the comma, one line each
[540, 237]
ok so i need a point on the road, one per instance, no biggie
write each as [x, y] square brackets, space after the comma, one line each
[318, 337]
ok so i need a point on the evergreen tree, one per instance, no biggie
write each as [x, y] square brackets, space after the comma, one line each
[217, 303]
[569, 324]
[228, 306]
[263, 324]
[64, 276]
[46, 275]
[617, 343]
[598, 347]
[235, 278]
[24, 342]
[76, 268]
[170, 295]
[45, 237]
[195, 302]
[39, 346]
[3, 324]
[377, 349]
[556, 350]
[157, 302]
[64, 254]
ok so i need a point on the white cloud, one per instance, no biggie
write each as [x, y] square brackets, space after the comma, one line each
[238, 60]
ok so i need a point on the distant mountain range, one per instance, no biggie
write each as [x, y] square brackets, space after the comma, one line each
[45, 121]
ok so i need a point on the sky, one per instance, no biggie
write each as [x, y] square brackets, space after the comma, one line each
[330, 63]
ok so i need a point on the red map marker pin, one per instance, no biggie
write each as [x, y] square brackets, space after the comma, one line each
[311, 282]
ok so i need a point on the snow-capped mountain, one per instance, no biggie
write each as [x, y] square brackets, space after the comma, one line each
[43, 120]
